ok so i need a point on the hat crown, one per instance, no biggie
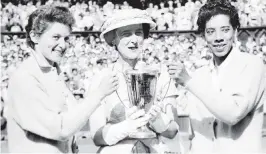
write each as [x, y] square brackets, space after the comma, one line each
[124, 18]
[125, 15]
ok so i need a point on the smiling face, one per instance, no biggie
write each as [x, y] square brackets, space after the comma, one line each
[129, 40]
[219, 35]
[54, 42]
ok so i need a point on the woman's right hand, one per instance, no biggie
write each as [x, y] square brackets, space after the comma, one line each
[109, 83]
[136, 118]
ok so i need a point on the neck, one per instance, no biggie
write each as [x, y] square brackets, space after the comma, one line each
[42, 57]
[127, 63]
[219, 60]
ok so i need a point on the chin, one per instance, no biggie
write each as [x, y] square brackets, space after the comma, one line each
[134, 56]
[56, 60]
[221, 53]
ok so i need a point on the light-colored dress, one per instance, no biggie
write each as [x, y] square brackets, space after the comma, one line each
[112, 112]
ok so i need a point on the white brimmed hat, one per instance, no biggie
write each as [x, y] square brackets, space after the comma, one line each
[124, 18]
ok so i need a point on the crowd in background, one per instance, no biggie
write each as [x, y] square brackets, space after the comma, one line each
[170, 15]
[87, 55]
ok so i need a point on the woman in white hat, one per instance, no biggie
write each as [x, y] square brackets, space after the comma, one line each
[112, 122]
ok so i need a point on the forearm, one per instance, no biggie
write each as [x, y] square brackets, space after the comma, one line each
[228, 107]
[171, 131]
[76, 118]
[165, 126]
[111, 134]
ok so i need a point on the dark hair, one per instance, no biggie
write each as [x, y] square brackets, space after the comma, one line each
[38, 20]
[146, 30]
[216, 7]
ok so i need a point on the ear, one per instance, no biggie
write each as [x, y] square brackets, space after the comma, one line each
[113, 42]
[115, 38]
[34, 37]
[235, 35]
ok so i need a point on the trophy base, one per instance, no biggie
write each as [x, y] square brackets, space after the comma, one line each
[142, 134]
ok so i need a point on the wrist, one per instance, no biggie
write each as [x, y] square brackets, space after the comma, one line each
[94, 97]
[161, 123]
[98, 95]
[186, 80]
[126, 127]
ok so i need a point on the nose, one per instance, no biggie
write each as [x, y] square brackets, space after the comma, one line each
[219, 40]
[134, 39]
[62, 43]
[219, 37]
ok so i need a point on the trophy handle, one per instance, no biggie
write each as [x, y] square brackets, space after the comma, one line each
[127, 107]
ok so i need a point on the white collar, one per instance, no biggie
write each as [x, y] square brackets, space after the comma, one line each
[225, 63]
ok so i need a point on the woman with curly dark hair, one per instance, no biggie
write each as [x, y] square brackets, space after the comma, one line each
[43, 115]
[225, 98]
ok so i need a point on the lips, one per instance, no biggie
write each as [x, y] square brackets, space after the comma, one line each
[133, 48]
[59, 52]
[219, 45]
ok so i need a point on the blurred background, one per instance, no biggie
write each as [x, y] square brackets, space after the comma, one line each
[175, 38]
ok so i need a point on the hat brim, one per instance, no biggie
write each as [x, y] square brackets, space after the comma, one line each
[109, 36]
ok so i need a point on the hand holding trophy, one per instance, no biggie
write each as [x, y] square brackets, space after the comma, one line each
[141, 86]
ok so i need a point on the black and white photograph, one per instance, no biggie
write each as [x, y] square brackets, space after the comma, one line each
[133, 76]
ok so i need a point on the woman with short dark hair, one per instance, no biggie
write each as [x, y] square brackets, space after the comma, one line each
[43, 115]
[225, 98]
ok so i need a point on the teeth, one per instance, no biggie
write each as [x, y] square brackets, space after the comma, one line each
[60, 53]
[219, 46]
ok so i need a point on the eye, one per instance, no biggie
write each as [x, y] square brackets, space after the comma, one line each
[226, 30]
[56, 37]
[139, 33]
[209, 32]
[126, 34]
[67, 39]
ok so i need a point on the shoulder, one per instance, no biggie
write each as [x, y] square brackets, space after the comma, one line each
[253, 61]
[23, 74]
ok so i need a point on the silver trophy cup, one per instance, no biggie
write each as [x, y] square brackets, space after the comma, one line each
[141, 86]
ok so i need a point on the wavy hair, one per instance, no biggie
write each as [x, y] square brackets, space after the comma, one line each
[40, 19]
[216, 7]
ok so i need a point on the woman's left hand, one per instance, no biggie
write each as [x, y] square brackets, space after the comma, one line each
[159, 121]
[154, 112]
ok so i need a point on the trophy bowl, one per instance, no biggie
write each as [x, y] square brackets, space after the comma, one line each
[141, 87]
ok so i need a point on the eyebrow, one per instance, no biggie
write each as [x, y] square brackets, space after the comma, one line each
[214, 28]
[125, 31]
[57, 34]
[210, 28]
[225, 26]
